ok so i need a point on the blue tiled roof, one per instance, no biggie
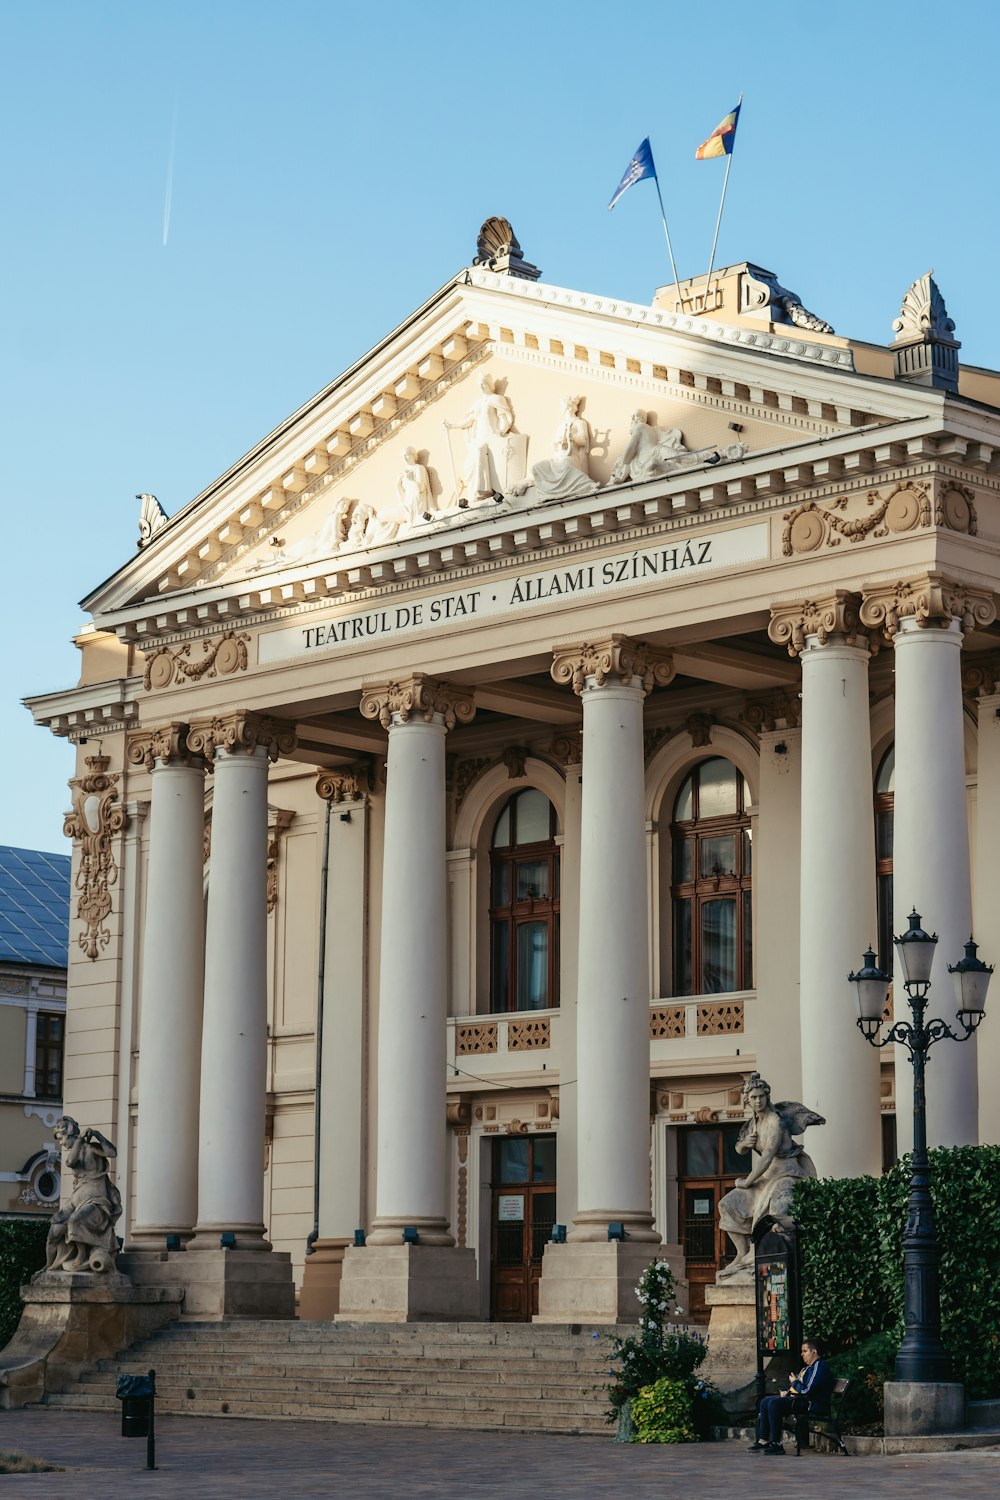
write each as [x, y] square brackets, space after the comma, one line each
[34, 907]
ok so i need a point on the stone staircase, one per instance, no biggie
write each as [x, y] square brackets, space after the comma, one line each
[471, 1375]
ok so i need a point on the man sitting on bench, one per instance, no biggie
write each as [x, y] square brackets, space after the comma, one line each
[808, 1392]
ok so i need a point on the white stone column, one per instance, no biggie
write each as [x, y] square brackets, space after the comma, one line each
[234, 1036]
[925, 619]
[173, 944]
[987, 885]
[612, 1062]
[411, 1172]
[840, 1071]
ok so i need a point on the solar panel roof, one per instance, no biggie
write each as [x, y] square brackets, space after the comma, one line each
[34, 907]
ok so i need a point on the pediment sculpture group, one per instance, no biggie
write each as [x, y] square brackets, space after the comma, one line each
[487, 464]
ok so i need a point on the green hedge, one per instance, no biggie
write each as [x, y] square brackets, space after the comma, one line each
[22, 1253]
[851, 1247]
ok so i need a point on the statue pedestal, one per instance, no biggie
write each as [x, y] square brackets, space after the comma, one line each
[409, 1284]
[732, 1348]
[73, 1319]
[220, 1283]
[595, 1282]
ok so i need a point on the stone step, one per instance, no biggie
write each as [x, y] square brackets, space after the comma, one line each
[448, 1369]
[349, 1379]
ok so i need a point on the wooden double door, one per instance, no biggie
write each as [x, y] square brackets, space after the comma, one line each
[708, 1167]
[524, 1211]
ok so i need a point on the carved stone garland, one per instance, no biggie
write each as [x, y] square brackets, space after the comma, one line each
[222, 657]
[810, 526]
[929, 599]
[419, 696]
[614, 656]
[96, 818]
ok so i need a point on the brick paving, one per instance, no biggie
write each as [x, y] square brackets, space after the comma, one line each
[210, 1459]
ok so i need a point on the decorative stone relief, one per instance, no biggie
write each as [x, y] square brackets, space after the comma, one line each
[652, 452]
[466, 773]
[498, 250]
[527, 1036]
[241, 731]
[719, 1017]
[780, 709]
[566, 748]
[417, 696]
[458, 1111]
[653, 738]
[495, 456]
[762, 293]
[222, 657]
[82, 1233]
[152, 517]
[514, 758]
[413, 487]
[981, 675]
[278, 820]
[567, 473]
[925, 351]
[930, 599]
[699, 727]
[923, 311]
[811, 526]
[667, 1021]
[350, 783]
[96, 819]
[615, 656]
[832, 614]
[475, 1037]
[166, 742]
[956, 508]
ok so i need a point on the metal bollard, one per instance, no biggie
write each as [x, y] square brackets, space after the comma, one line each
[137, 1394]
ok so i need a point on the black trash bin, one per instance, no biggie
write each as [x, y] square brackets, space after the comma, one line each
[137, 1394]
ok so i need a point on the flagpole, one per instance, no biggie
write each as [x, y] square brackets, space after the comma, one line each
[718, 222]
[670, 251]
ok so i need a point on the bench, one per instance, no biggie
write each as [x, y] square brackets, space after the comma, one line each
[828, 1426]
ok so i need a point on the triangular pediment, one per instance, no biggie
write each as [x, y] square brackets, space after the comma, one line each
[498, 388]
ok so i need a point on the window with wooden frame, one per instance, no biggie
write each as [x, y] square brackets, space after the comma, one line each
[50, 1034]
[710, 889]
[885, 783]
[524, 905]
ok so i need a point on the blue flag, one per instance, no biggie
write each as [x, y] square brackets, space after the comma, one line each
[639, 167]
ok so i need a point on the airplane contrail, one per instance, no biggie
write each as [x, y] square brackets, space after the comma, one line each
[169, 193]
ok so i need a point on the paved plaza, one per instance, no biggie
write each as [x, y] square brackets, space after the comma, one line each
[207, 1459]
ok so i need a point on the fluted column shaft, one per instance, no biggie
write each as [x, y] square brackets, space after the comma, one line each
[171, 1004]
[234, 1042]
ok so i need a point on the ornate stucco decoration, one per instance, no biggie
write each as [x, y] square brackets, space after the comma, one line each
[930, 599]
[417, 696]
[832, 614]
[811, 525]
[241, 731]
[615, 656]
[780, 709]
[152, 518]
[466, 773]
[955, 507]
[221, 657]
[166, 742]
[498, 250]
[653, 737]
[96, 818]
[278, 820]
[981, 675]
[350, 783]
[566, 748]
[699, 727]
[762, 293]
[924, 351]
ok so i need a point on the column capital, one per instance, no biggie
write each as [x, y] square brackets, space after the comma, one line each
[927, 599]
[981, 675]
[350, 783]
[241, 731]
[614, 656]
[166, 742]
[826, 615]
[779, 709]
[417, 696]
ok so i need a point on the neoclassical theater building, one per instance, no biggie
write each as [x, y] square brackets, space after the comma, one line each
[504, 759]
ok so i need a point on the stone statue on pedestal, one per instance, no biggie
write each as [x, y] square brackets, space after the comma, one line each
[768, 1187]
[82, 1234]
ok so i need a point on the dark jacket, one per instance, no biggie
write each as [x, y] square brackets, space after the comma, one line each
[816, 1385]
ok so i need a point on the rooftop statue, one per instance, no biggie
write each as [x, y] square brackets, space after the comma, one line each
[494, 455]
[82, 1234]
[768, 1186]
[567, 472]
[652, 452]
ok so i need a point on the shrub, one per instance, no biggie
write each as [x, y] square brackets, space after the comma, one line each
[658, 1353]
[867, 1365]
[22, 1253]
[662, 1413]
[851, 1248]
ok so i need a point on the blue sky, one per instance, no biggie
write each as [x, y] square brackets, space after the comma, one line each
[331, 165]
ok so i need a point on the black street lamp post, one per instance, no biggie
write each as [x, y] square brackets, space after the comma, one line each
[922, 1357]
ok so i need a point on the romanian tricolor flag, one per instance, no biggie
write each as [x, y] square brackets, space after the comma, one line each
[720, 142]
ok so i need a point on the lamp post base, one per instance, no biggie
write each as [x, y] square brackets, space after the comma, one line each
[918, 1408]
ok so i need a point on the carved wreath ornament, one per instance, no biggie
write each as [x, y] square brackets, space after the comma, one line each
[96, 818]
[222, 657]
[907, 506]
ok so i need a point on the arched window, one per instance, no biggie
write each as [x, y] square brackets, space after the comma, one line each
[524, 905]
[885, 783]
[710, 885]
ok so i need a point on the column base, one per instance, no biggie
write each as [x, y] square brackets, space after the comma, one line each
[319, 1299]
[248, 1237]
[595, 1282]
[918, 1408]
[591, 1226]
[408, 1284]
[153, 1237]
[386, 1231]
[220, 1283]
[73, 1319]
